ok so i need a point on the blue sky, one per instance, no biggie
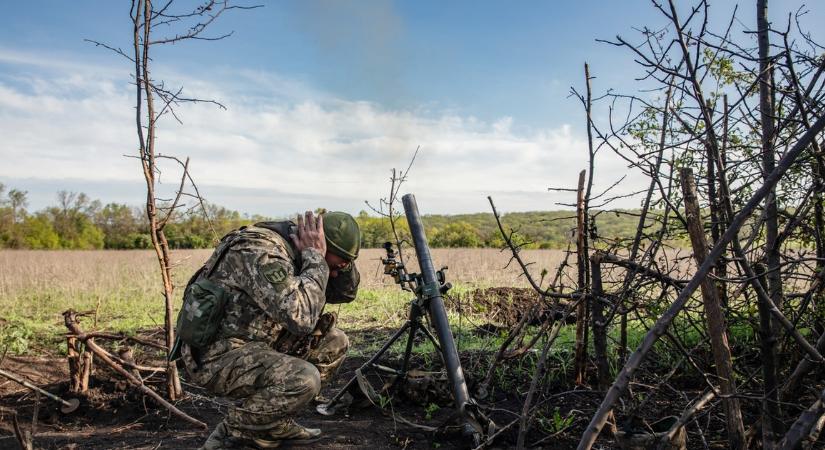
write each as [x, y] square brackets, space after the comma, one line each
[324, 97]
[485, 58]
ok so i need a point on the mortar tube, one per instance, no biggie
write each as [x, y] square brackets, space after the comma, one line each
[435, 305]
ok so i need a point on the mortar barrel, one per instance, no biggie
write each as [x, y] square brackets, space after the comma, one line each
[435, 304]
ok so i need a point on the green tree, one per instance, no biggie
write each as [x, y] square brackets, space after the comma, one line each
[39, 233]
[18, 203]
[12, 214]
[73, 221]
[375, 231]
[5, 218]
[456, 234]
[119, 223]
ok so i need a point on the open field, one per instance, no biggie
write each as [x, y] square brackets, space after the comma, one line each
[123, 286]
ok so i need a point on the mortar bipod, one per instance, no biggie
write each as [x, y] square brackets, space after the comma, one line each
[428, 286]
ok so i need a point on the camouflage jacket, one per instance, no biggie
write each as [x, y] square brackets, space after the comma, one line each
[271, 287]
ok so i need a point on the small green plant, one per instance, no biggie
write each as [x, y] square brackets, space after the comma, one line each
[557, 422]
[430, 409]
[384, 401]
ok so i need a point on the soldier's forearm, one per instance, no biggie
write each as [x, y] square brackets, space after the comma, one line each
[304, 304]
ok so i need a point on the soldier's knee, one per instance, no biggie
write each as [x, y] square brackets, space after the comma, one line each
[306, 381]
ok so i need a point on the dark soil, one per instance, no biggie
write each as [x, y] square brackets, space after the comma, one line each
[112, 416]
[115, 416]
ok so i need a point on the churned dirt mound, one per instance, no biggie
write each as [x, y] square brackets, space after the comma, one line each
[507, 305]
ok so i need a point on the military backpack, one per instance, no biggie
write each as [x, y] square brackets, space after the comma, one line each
[203, 303]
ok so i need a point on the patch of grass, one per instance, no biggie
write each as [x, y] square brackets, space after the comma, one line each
[374, 308]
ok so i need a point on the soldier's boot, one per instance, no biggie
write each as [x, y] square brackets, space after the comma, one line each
[289, 434]
[222, 439]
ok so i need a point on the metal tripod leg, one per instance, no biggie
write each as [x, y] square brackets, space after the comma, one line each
[415, 324]
[326, 408]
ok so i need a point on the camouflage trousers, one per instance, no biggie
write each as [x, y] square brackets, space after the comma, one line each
[267, 386]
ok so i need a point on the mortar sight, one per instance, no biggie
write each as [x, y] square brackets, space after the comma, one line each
[393, 267]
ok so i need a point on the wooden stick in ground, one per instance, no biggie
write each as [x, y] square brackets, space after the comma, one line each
[717, 330]
[599, 323]
[660, 327]
[772, 425]
[600, 329]
[70, 320]
[87, 361]
[580, 358]
[73, 358]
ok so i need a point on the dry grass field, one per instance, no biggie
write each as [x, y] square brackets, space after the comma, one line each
[123, 287]
[76, 274]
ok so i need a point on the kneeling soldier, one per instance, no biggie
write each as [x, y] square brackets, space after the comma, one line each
[252, 327]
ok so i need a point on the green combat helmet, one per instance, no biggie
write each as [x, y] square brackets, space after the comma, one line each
[342, 234]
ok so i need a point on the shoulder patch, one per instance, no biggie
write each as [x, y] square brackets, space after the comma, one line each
[276, 274]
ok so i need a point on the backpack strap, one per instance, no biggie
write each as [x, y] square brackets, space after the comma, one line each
[285, 229]
[223, 247]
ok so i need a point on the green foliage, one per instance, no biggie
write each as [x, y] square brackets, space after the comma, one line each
[14, 338]
[722, 68]
[39, 233]
[456, 234]
[78, 222]
[384, 401]
[555, 423]
[430, 410]
[118, 224]
[137, 241]
[377, 230]
[73, 221]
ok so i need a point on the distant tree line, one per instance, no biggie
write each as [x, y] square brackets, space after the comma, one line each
[78, 222]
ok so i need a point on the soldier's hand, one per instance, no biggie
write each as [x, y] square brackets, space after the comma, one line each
[310, 233]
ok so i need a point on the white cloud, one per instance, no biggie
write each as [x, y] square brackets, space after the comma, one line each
[282, 137]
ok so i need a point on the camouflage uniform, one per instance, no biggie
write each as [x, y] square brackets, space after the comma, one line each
[275, 300]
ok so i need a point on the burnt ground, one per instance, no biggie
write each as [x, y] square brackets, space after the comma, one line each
[113, 415]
